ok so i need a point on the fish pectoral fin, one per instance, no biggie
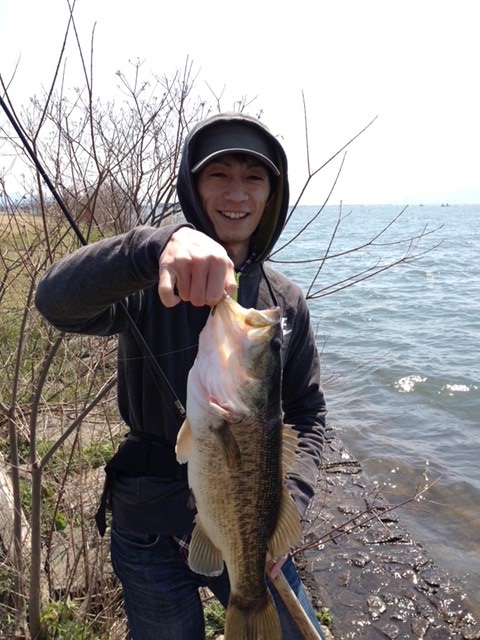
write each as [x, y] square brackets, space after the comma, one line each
[184, 446]
[289, 447]
[229, 414]
[288, 531]
[203, 555]
[228, 444]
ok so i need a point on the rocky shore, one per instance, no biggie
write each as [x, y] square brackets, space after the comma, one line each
[375, 579]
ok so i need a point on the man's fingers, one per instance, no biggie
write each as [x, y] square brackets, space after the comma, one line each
[199, 287]
[194, 268]
[217, 284]
[274, 569]
[231, 284]
[166, 287]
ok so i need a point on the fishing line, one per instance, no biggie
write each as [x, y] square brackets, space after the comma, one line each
[152, 363]
[160, 355]
[42, 172]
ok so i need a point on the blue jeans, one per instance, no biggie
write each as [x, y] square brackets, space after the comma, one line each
[161, 592]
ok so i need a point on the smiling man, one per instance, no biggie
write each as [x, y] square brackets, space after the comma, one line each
[233, 189]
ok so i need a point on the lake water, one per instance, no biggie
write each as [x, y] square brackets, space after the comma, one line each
[401, 359]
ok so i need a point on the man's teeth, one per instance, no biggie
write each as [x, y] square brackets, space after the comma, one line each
[234, 215]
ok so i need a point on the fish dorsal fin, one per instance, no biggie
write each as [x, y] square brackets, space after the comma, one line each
[228, 444]
[289, 447]
[288, 531]
[203, 556]
[184, 446]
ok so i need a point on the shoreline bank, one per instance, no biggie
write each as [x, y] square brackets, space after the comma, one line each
[375, 579]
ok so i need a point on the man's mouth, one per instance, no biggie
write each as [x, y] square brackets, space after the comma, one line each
[234, 215]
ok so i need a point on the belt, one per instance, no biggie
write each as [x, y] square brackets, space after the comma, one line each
[139, 455]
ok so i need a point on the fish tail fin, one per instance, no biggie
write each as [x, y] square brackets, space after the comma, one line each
[258, 623]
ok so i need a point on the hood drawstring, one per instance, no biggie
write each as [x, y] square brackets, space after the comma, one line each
[237, 280]
[244, 268]
[270, 288]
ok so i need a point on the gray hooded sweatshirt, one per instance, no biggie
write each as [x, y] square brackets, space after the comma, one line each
[110, 287]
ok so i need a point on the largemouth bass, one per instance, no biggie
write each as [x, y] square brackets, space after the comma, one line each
[238, 450]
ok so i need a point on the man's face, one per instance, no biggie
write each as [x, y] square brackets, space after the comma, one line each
[233, 193]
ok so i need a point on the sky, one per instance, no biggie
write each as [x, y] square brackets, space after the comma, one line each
[414, 65]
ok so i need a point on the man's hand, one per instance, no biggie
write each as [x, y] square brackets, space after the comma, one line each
[194, 268]
[273, 569]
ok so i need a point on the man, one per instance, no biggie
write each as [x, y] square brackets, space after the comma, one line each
[233, 189]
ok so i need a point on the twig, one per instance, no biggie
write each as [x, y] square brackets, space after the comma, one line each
[352, 524]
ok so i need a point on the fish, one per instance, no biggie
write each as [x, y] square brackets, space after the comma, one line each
[238, 452]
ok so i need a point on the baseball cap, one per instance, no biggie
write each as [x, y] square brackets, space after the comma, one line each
[233, 137]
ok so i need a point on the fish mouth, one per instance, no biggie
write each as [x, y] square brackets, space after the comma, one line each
[263, 319]
[255, 324]
[255, 318]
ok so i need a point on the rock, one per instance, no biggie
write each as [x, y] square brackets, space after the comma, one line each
[376, 606]
[419, 627]
[360, 559]
[391, 631]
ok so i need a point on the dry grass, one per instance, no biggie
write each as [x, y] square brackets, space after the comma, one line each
[82, 598]
[18, 220]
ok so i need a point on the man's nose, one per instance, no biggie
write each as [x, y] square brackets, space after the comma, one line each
[237, 190]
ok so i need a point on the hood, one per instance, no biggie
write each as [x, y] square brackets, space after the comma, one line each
[273, 220]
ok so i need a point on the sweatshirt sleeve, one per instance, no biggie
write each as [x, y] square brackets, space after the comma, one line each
[82, 292]
[304, 407]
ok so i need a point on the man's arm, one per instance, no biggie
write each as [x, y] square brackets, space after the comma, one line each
[304, 407]
[79, 293]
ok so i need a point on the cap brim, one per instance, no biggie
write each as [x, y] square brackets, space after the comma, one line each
[222, 152]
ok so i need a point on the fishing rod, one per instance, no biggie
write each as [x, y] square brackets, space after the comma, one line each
[155, 368]
[27, 146]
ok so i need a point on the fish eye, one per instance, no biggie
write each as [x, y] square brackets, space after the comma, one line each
[276, 344]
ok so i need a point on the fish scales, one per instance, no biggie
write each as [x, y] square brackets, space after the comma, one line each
[252, 488]
[233, 440]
